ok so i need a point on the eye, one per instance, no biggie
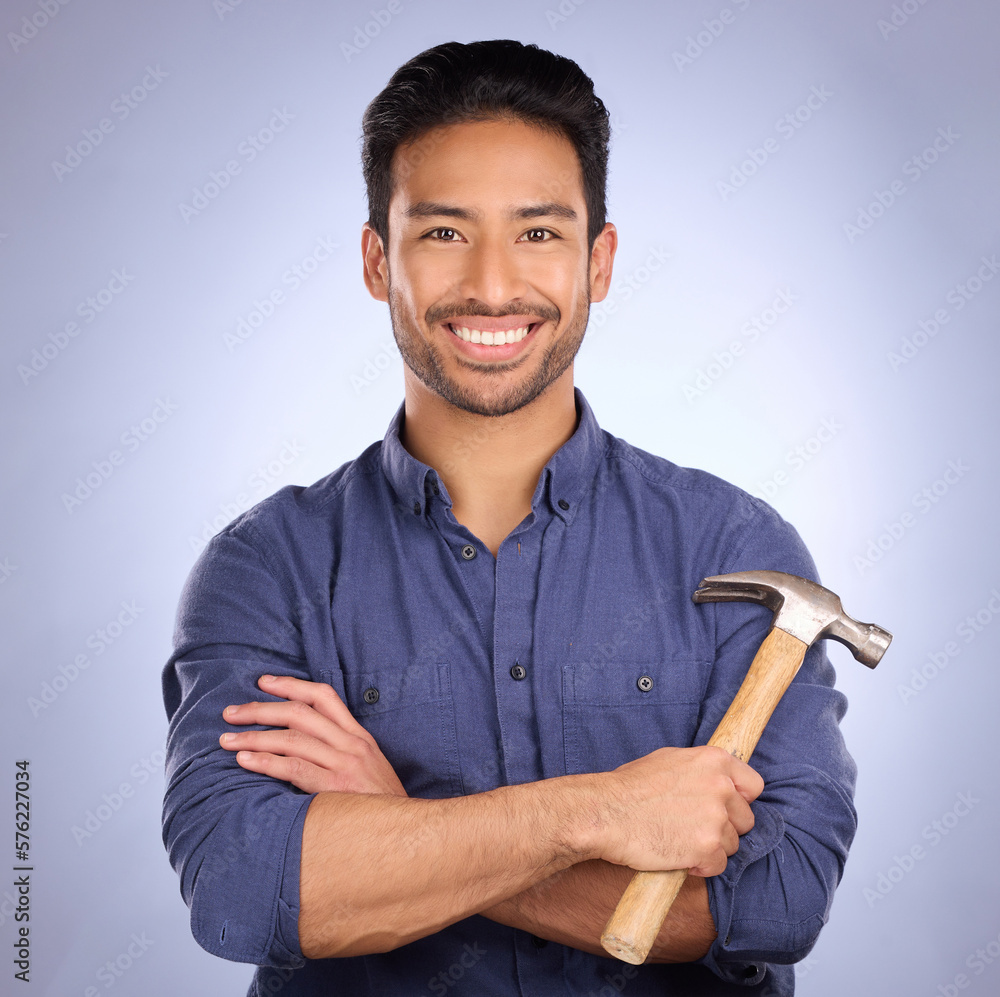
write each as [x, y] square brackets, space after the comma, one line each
[539, 235]
[446, 235]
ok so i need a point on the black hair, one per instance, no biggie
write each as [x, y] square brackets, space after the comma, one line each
[480, 81]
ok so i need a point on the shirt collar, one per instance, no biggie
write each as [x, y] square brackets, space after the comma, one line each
[564, 482]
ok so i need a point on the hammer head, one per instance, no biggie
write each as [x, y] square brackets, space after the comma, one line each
[801, 608]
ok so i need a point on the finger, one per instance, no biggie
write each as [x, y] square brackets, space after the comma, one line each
[730, 840]
[300, 773]
[740, 815]
[294, 716]
[748, 783]
[321, 696]
[715, 865]
[290, 743]
[311, 765]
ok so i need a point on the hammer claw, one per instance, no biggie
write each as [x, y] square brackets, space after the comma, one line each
[713, 590]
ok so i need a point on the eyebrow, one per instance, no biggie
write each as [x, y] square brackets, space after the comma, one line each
[437, 209]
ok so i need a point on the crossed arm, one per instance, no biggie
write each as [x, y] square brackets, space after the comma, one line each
[380, 869]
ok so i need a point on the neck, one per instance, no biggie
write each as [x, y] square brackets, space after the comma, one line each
[489, 464]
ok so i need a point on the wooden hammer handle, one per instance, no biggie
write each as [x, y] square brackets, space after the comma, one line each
[633, 927]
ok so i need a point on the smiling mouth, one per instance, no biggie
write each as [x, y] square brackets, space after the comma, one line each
[485, 337]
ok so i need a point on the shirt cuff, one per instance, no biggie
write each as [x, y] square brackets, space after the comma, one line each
[286, 928]
[767, 832]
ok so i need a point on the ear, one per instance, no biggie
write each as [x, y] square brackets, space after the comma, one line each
[602, 260]
[376, 266]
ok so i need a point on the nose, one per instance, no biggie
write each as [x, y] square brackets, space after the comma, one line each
[491, 273]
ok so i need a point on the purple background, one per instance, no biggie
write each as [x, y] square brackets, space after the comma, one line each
[724, 205]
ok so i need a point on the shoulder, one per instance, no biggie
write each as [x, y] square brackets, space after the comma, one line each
[303, 516]
[262, 573]
[687, 489]
[288, 537]
[725, 522]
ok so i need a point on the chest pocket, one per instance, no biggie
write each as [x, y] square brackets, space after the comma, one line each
[615, 712]
[411, 714]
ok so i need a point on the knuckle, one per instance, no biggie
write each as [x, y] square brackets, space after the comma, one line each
[298, 708]
[718, 865]
[296, 768]
[365, 746]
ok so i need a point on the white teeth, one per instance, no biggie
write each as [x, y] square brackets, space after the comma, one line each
[488, 338]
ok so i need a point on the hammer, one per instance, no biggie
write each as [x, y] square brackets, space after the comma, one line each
[803, 613]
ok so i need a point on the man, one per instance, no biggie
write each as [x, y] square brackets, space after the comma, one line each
[463, 676]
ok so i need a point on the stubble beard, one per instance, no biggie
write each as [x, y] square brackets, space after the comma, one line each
[495, 393]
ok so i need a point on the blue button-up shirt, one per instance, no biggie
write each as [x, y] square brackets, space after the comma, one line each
[576, 649]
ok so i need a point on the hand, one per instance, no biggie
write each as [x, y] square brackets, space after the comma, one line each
[678, 808]
[321, 748]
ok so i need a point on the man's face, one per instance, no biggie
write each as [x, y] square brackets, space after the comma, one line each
[488, 246]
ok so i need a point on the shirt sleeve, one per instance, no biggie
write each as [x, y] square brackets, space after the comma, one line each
[233, 836]
[775, 894]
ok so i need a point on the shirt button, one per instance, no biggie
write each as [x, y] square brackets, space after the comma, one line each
[539, 943]
[468, 552]
[750, 972]
[416, 508]
[371, 695]
[518, 672]
[645, 683]
[563, 504]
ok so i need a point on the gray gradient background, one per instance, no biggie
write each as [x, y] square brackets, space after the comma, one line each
[321, 374]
